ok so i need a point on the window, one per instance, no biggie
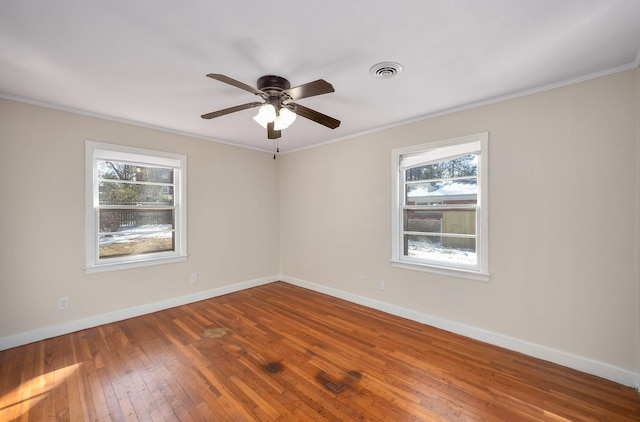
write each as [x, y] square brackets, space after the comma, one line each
[135, 207]
[440, 221]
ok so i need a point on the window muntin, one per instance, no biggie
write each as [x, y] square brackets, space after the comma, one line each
[135, 207]
[439, 217]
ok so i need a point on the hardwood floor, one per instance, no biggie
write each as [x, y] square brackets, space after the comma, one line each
[279, 352]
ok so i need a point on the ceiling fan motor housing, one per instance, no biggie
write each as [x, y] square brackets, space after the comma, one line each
[273, 83]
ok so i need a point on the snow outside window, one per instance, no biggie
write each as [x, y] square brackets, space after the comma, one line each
[440, 207]
[136, 207]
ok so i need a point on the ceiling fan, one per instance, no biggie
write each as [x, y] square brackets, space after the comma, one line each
[278, 110]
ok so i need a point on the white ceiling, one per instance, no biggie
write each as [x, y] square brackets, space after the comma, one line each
[146, 61]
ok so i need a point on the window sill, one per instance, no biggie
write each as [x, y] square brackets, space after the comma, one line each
[446, 271]
[128, 265]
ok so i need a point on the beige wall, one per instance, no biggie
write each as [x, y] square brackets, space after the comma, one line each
[562, 204]
[233, 234]
[638, 224]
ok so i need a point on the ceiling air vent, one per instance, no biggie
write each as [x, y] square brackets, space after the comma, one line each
[385, 70]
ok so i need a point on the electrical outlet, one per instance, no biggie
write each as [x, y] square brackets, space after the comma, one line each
[363, 280]
[63, 303]
[194, 278]
[381, 284]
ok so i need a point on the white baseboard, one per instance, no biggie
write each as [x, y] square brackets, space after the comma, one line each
[119, 315]
[580, 363]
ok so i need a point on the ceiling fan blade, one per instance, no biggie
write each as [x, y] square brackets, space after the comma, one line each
[310, 89]
[271, 132]
[230, 110]
[316, 116]
[237, 84]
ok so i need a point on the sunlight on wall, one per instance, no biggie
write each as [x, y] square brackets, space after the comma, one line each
[30, 392]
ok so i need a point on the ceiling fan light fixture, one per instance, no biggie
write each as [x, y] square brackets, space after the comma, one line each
[266, 114]
[285, 118]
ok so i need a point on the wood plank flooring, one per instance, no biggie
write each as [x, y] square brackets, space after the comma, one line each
[283, 353]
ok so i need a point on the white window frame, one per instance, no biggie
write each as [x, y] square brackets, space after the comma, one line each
[436, 151]
[95, 151]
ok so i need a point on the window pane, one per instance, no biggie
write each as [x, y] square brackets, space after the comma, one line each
[463, 191]
[445, 221]
[135, 232]
[453, 250]
[116, 171]
[154, 174]
[458, 167]
[135, 220]
[423, 221]
[123, 171]
[115, 193]
[135, 243]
